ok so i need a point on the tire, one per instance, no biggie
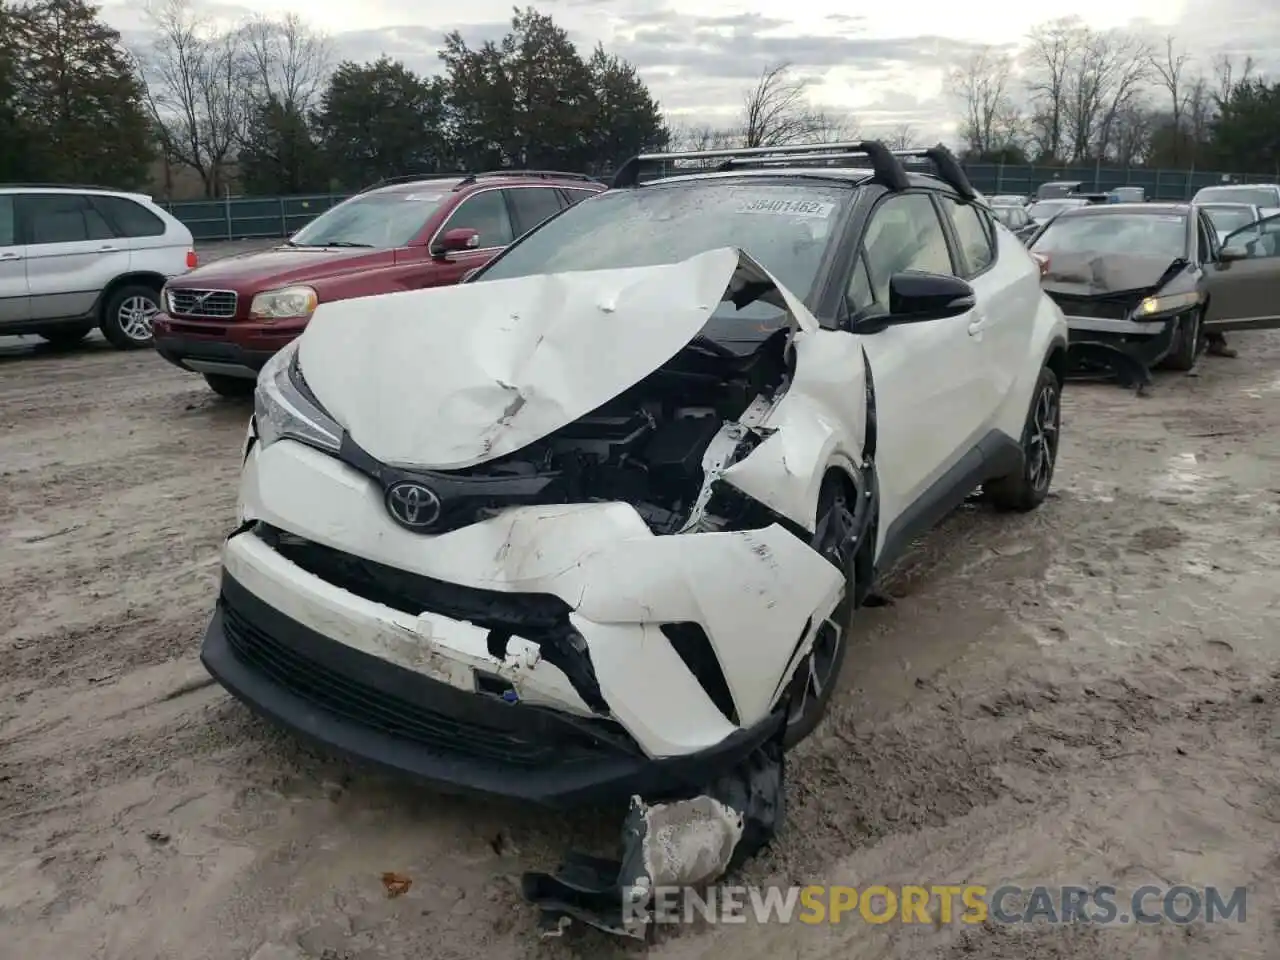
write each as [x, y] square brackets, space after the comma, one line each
[805, 708]
[1027, 489]
[61, 338]
[235, 387]
[126, 316]
[1184, 355]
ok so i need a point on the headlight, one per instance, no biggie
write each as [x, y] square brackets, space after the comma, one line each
[281, 409]
[1171, 303]
[287, 303]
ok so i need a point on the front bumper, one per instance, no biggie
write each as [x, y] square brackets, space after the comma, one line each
[401, 719]
[482, 610]
[227, 347]
[1133, 346]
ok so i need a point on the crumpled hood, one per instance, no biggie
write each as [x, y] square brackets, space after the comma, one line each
[454, 376]
[1098, 274]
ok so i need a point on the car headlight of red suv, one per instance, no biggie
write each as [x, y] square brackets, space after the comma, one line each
[287, 303]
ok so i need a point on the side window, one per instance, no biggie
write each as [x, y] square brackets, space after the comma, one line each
[8, 222]
[577, 196]
[533, 205]
[860, 295]
[61, 218]
[975, 236]
[904, 233]
[487, 213]
[130, 219]
[1205, 241]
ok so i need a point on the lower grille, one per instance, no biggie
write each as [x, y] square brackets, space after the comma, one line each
[212, 304]
[359, 703]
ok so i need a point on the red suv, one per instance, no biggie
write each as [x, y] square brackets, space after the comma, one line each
[226, 319]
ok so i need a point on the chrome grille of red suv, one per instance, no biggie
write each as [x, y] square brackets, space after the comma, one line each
[213, 304]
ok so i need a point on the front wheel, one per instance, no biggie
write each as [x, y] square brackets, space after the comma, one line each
[1187, 346]
[815, 677]
[127, 316]
[1026, 489]
[225, 386]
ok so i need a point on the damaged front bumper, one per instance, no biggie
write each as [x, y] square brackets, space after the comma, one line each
[558, 654]
[1125, 348]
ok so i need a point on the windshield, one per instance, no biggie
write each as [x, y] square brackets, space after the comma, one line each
[1227, 219]
[1257, 196]
[380, 220]
[1157, 235]
[784, 225]
[1048, 209]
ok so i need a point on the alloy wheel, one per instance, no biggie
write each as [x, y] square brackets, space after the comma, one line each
[814, 675]
[1042, 437]
[135, 316]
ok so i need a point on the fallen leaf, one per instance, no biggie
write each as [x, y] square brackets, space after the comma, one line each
[396, 883]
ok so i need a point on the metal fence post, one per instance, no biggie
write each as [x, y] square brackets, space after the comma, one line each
[227, 206]
[284, 223]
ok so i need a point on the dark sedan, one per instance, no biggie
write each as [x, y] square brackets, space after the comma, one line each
[1143, 284]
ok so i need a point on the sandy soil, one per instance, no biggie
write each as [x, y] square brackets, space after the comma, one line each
[1088, 694]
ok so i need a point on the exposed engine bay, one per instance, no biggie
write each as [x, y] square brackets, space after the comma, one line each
[658, 446]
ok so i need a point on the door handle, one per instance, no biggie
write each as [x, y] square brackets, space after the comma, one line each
[107, 248]
[10, 256]
[977, 325]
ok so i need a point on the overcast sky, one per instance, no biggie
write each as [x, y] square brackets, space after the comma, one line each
[886, 67]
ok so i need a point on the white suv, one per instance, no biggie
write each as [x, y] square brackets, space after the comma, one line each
[75, 258]
[598, 519]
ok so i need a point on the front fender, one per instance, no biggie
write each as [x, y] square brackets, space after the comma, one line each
[820, 422]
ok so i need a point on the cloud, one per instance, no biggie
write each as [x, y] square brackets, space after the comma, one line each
[701, 64]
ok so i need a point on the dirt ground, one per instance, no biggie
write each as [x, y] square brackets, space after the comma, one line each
[1089, 694]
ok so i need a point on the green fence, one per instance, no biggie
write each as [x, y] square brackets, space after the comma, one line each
[991, 178]
[243, 218]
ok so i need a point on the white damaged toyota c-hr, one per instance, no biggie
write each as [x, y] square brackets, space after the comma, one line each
[596, 522]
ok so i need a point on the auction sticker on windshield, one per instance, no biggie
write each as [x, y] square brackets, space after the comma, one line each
[789, 208]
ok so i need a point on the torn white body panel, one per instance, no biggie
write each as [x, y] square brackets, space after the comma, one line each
[817, 424]
[453, 376]
[621, 579]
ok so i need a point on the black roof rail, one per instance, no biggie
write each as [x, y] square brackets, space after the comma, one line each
[516, 174]
[886, 168]
[945, 165]
[412, 178]
[66, 186]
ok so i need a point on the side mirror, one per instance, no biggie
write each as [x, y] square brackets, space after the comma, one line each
[915, 297]
[457, 240]
[1232, 253]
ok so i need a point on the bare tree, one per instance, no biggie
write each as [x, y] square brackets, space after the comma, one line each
[1168, 69]
[903, 137]
[777, 111]
[1109, 74]
[1228, 76]
[692, 138]
[194, 79]
[285, 61]
[983, 84]
[1131, 134]
[1052, 51]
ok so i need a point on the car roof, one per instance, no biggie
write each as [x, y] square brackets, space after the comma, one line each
[1109, 209]
[830, 162]
[71, 188]
[457, 182]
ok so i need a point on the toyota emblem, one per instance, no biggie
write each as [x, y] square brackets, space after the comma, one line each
[413, 505]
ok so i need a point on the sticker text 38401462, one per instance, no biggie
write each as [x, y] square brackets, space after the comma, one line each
[789, 208]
